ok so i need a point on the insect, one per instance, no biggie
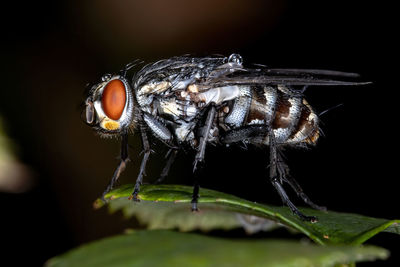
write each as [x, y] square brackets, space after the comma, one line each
[189, 102]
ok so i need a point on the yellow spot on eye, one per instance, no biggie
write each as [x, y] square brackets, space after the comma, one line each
[110, 125]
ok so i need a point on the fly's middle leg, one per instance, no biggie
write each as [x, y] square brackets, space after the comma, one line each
[199, 158]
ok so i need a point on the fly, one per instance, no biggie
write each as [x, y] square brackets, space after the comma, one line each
[192, 102]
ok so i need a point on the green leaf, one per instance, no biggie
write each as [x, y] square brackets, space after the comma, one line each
[168, 206]
[167, 248]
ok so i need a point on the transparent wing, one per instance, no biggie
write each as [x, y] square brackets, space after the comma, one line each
[289, 77]
[211, 72]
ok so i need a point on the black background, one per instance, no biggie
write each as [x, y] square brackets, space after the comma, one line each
[52, 49]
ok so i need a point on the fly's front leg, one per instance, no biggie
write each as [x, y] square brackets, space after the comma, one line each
[142, 171]
[277, 173]
[171, 155]
[121, 166]
[201, 149]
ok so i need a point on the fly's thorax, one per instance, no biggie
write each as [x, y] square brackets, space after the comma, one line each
[145, 93]
[110, 104]
[183, 99]
[216, 95]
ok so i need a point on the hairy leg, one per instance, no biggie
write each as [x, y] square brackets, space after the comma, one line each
[277, 173]
[257, 133]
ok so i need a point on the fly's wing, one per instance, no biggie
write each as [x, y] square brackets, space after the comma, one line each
[178, 72]
[289, 77]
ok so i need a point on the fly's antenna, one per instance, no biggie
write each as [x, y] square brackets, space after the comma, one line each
[329, 109]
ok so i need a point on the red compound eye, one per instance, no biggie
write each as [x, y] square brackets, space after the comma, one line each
[113, 99]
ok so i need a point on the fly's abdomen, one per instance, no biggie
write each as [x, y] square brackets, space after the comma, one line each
[287, 114]
[240, 108]
[306, 129]
[294, 122]
[263, 106]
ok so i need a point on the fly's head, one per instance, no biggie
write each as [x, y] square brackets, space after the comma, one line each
[110, 106]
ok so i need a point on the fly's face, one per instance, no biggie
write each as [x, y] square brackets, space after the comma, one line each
[109, 106]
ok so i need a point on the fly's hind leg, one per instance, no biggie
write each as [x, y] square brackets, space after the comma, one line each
[121, 166]
[204, 132]
[299, 191]
[283, 170]
[278, 172]
[257, 133]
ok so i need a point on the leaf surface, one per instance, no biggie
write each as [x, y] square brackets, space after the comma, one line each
[168, 207]
[168, 248]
